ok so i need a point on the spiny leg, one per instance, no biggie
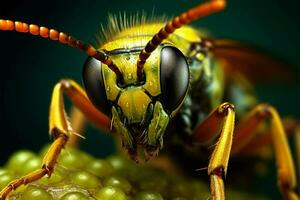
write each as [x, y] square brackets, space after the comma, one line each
[61, 129]
[245, 132]
[221, 120]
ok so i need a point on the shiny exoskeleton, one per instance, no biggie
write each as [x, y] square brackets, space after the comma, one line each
[182, 76]
[164, 87]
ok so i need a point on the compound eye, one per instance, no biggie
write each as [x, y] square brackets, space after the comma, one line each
[94, 85]
[174, 77]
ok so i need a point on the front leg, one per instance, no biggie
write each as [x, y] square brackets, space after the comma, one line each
[220, 121]
[61, 129]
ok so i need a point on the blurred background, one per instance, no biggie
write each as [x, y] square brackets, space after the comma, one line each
[30, 66]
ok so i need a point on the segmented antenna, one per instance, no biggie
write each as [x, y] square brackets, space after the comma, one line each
[192, 14]
[9, 25]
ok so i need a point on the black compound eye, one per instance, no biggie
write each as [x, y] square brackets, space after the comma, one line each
[174, 77]
[94, 85]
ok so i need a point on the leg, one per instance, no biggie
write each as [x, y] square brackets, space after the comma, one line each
[245, 132]
[61, 129]
[77, 95]
[264, 138]
[221, 120]
[297, 137]
[46, 169]
[78, 121]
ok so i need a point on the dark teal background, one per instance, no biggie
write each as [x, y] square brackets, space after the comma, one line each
[30, 66]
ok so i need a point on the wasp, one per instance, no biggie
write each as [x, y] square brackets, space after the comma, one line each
[157, 86]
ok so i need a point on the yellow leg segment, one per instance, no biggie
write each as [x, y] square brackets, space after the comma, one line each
[245, 132]
[61, 129]
[217, 187]
[221, 120]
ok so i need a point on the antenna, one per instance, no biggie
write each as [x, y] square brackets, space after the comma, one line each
[44, 32]
[192, 14]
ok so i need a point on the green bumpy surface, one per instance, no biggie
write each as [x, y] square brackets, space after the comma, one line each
[79, 176]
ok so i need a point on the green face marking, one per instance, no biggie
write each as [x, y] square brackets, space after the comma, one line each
[142, 140]
[157, 125]
[122, 130]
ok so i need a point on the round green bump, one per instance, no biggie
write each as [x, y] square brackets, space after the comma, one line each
[74, 158]
[4, 171]
[34, 193]
[111, 193]
[119, 162]
[119, 182]
[55, 178]
[74, 196]
[124, 167]
[5, 178]
[86, 158]
[30, 165]
[147, 195]
[18, 159]
[85, 179]
[70, 159]
[100, 168]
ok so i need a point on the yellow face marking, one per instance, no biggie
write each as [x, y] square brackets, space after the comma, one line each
[110, 82]
[134, 103]
[152, 72]
[127, 65]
